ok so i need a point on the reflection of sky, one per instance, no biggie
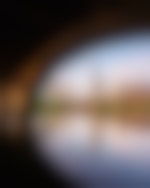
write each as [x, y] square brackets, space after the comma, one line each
[77, 138]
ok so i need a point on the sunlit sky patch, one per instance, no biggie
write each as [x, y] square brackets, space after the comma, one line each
[115, 62]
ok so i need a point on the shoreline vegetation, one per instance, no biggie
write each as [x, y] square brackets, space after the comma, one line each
[128, 107]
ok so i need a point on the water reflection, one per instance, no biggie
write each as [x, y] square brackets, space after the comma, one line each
[91, 116]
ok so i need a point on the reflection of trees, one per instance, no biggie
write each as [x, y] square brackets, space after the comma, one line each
[130, 106]
[128, 101]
